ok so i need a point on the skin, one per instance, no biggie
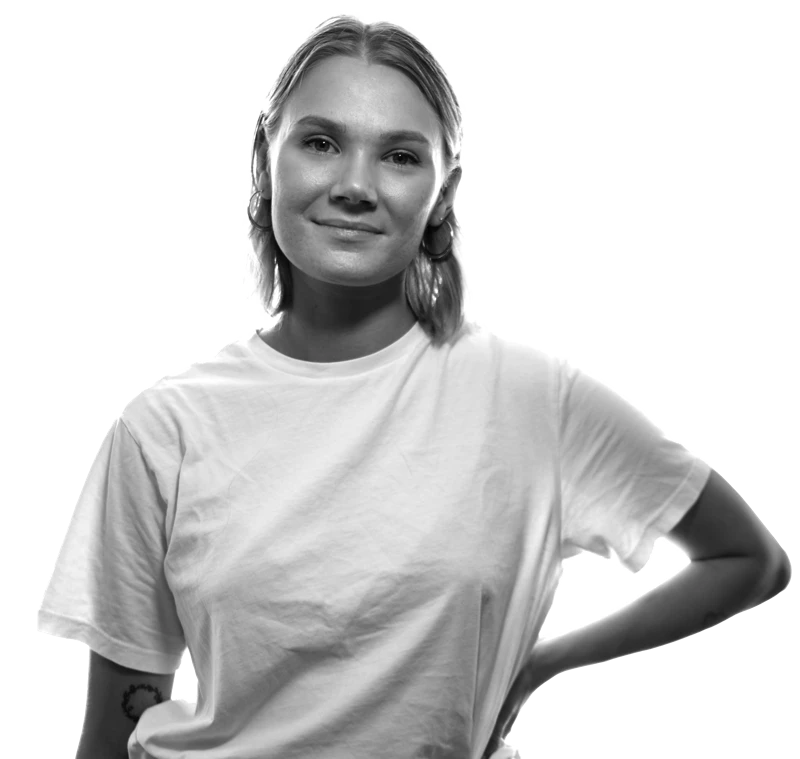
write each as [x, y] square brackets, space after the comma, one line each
[349, 300]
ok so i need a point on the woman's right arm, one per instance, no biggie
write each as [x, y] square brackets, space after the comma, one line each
[117, 697]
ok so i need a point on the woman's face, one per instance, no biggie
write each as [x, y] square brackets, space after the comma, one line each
[358, 174]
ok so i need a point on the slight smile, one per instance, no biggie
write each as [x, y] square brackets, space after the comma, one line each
[348, 224]
[348, 232]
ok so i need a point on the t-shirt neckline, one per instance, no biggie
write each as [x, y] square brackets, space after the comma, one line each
[277, 360]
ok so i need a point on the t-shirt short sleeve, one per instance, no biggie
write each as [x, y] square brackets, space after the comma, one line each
[623, 483]
[109, 588]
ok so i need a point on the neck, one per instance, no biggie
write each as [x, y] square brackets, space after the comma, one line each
[323, 341]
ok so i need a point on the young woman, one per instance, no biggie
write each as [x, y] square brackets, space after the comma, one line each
[356, 520]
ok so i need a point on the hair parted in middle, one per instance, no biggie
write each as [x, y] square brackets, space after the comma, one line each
[434, 289]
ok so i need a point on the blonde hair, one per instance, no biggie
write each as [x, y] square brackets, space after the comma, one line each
[434, 289]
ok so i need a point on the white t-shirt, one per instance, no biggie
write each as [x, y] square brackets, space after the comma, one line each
[358, 555]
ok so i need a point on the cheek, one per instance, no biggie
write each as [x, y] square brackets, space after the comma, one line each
[291, 189]
[294, 179]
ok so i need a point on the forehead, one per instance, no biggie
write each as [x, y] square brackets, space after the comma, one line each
[368, 99]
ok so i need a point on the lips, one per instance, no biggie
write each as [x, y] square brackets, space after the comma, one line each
[343, 233]
[347, 224]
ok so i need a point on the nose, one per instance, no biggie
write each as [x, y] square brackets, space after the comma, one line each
[355, 183]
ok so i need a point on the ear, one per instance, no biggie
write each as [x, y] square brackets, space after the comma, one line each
[262, 168]
[447, 197]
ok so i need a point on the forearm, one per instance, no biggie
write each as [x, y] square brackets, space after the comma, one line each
[700, 596]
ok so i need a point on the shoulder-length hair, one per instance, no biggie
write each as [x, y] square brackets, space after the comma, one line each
[434, 289]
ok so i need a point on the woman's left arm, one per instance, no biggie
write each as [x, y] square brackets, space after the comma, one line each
[703, 594]
[736, 564]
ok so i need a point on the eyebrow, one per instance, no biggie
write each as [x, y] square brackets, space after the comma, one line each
[396, 135]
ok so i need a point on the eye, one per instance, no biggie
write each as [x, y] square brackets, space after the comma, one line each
[401, 153]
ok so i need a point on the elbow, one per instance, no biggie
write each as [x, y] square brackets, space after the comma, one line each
[779, 574]
[784, 572]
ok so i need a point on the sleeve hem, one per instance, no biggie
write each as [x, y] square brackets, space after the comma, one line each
[122, 653]
[672, 513]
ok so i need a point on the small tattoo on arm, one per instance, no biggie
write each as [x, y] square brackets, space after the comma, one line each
[138, 699]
